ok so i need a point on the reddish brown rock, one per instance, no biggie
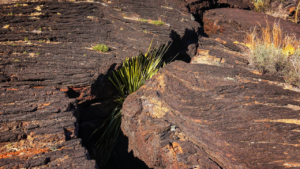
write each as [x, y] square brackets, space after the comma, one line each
[215, 112]
[198, 7]
[235, 23]
[53, 83]
[207, 116]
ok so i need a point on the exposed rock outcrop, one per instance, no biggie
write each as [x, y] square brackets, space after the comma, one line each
[54, 86]
[207, 116]
[50, 75]
[215, 112]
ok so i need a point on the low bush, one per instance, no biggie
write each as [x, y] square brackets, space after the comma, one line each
[275, 53]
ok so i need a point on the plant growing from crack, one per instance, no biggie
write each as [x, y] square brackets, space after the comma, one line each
[157, 22]
[128, 79]
[101, 48]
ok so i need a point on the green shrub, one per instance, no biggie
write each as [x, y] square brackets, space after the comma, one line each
[128, 79]
[101, 48]
[268, 58]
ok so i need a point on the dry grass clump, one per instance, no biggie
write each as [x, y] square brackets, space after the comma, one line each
[261, 5]
[265, 6]
[279, 12]
[274, 52]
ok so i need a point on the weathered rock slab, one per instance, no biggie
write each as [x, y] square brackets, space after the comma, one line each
[205, 116]
[235, 23]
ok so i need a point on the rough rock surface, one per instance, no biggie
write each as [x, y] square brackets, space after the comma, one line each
[50, 74]
[215, 112]
[235, 23]
[54, 86]
[208, 116]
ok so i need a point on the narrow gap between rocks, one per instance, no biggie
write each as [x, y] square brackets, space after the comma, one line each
[92, 113]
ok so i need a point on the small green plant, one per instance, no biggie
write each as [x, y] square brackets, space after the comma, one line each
[101, 48]
[10, 14]
[143, 20]
[24, 52]
[13, 44]
[41, 41]
[128, 79]
[18, 4]
[145, 31]
[26, 39]
[40, 29]
[84, 55]
[157, 22]
[38, 53]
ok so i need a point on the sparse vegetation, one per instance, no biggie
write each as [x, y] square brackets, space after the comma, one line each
[38, 53]
[157, 22]
[128, 79]
[275, 53]
[279, 12]
[101, 48]
[143, 20]
[26, 39]
[18, 4]
[10, 14]
[24, 52]
[265, 7]
[41, 41]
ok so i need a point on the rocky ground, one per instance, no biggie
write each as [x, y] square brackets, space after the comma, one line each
[55, 90]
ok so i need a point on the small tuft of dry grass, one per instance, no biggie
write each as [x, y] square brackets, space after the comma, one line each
[275, 52]
[279, 12]
[261, 5]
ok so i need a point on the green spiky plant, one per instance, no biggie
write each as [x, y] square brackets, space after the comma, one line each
[128, 79]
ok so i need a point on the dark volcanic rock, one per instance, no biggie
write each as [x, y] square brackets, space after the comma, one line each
[216, 112]
[235, 23]
[207, 116]
[52, 81]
